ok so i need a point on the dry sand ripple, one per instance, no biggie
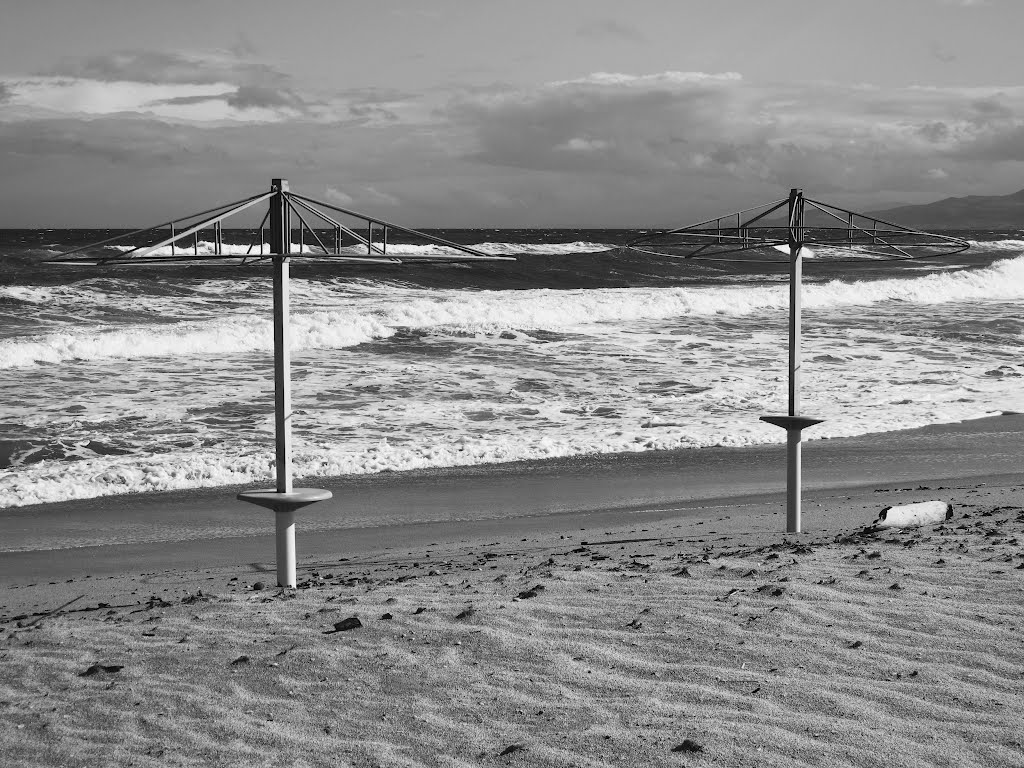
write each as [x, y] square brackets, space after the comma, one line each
[648, 647]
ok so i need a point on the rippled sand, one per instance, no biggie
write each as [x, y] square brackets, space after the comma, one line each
[667, 644]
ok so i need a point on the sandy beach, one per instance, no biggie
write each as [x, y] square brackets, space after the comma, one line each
[535, 300]
[618, 611]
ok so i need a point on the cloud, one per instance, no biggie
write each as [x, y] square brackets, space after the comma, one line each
[166, 86]
[600, 149]
[361, 195]
[582, 144]
[935, 132]
[372, 107]
[246, 97]
[209, 87]
[704, 126]
[605, 121]
[610, 29]
[374, 196]
[993, 145]
[339, 197]
[160, 67]
[77, 96]
[152, 169]
[190, 102]
[243, 47]
[260, 96]
[670, 79]
[138, 143]
[941, 52]
[992, 108]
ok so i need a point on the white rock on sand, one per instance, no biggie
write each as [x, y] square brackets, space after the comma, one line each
[912, 515]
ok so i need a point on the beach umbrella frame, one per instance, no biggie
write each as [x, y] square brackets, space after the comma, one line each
[284, 499]
[734, 236]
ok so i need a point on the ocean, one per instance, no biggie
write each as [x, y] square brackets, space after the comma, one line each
[139, 378]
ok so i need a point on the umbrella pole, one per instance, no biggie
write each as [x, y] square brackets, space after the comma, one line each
[282, 425]
[793, 469]
[793, 422]
[283, 499]
[284, 514]
[282, 370]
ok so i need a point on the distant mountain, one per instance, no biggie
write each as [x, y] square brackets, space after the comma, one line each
[971, 212]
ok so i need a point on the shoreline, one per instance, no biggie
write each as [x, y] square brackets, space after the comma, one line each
[208, 527]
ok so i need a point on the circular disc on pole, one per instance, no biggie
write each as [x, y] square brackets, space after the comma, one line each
[273, 499]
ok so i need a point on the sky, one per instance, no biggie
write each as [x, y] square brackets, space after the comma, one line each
[476, 113]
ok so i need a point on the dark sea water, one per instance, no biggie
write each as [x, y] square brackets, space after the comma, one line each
[144, 377]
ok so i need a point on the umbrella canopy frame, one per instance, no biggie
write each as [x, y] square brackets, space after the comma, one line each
[753, 229]
[864, 237]
[284, 499]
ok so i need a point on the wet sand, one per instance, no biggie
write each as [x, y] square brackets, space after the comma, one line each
[208, 527]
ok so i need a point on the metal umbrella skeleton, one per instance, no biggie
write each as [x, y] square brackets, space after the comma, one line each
[283, 499]
[738, 236]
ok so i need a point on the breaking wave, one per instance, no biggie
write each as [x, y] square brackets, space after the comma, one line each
[379, 311]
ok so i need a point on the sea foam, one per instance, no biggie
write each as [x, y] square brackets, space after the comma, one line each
[376, 313]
